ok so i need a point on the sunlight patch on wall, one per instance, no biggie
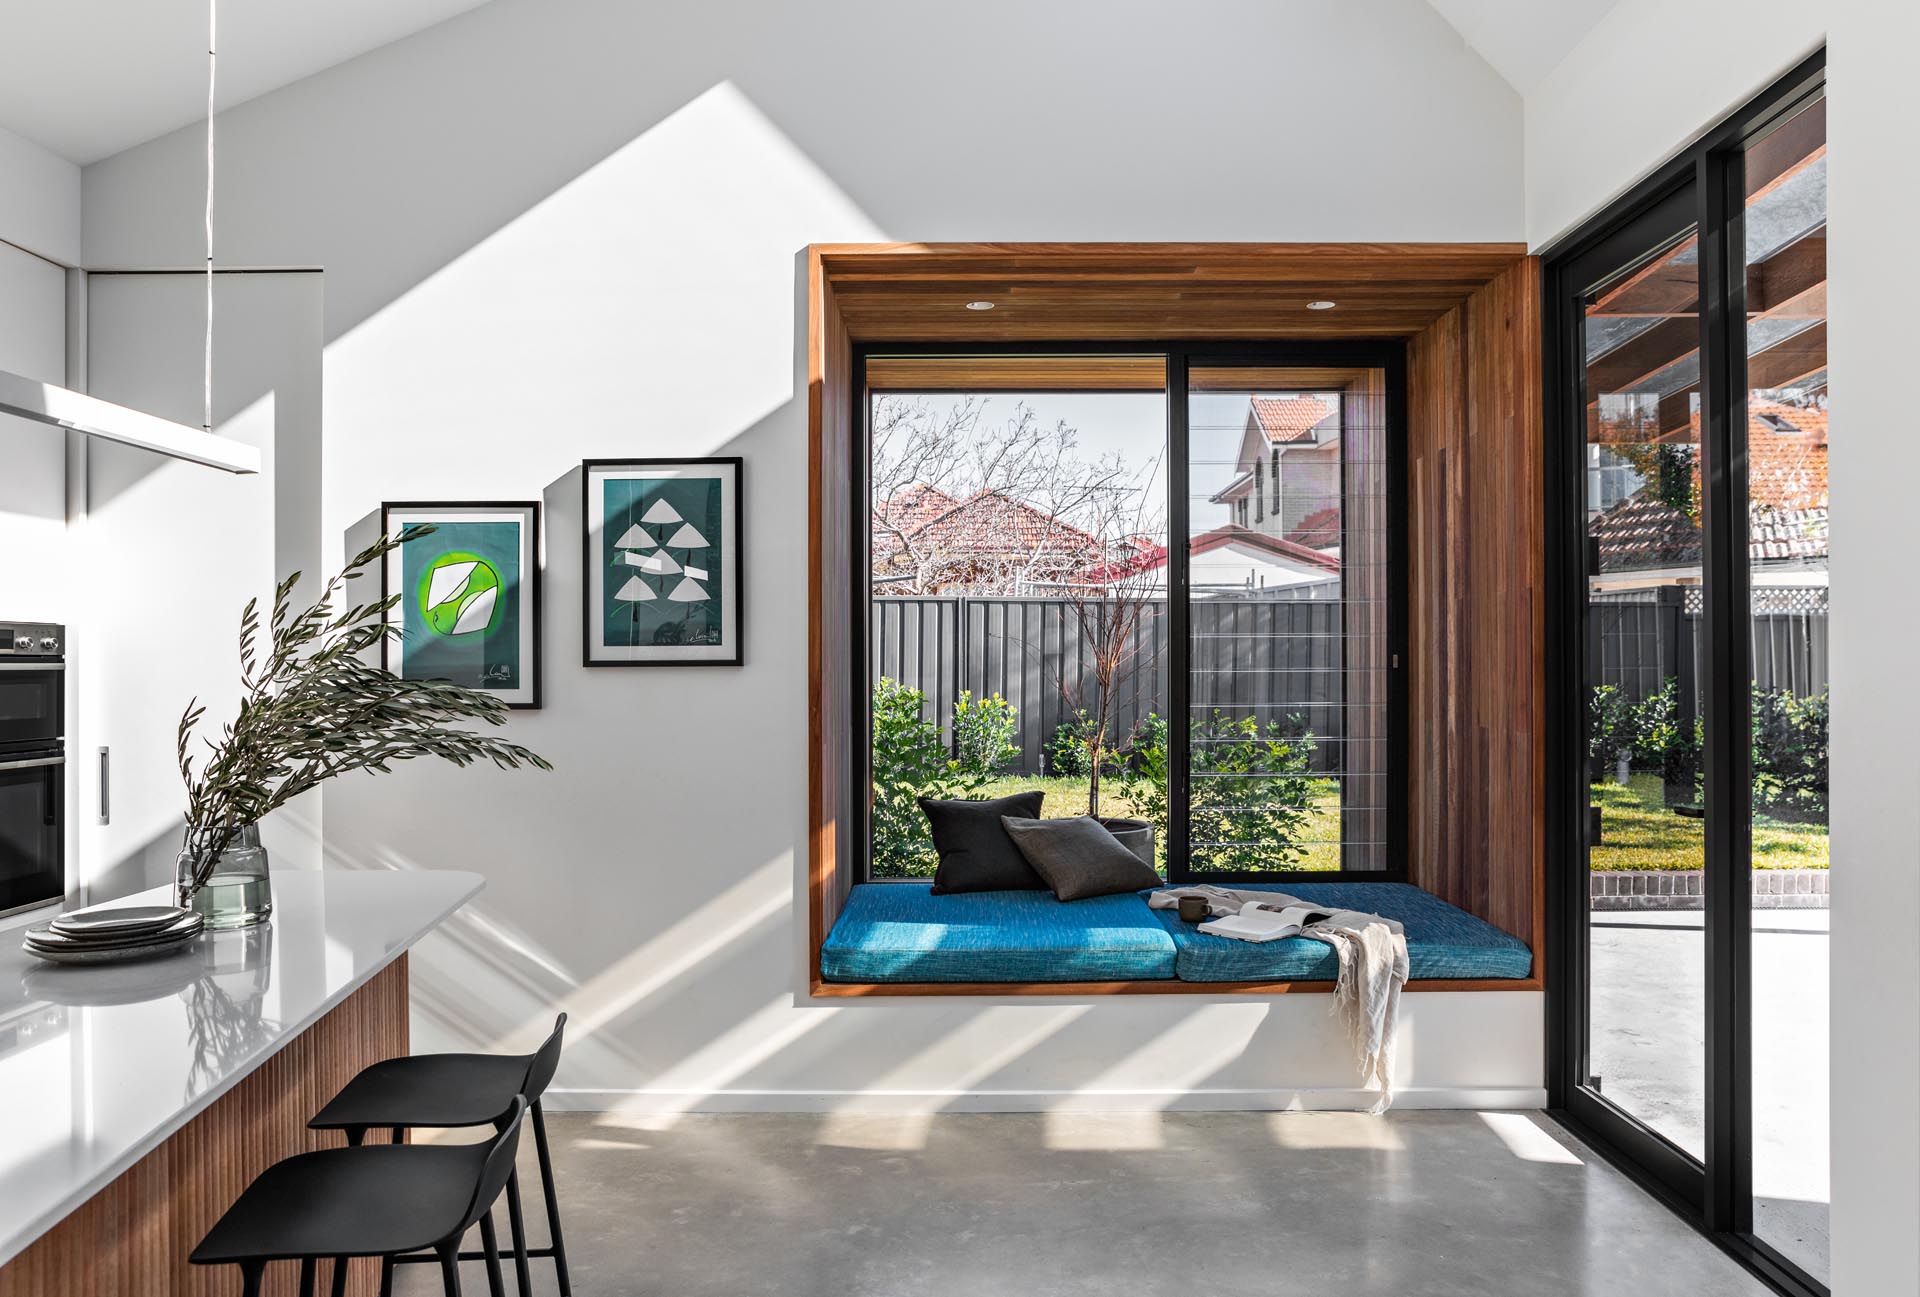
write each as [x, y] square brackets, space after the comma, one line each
[648, 306]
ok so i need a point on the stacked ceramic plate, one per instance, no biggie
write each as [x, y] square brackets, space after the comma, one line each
[113, 934]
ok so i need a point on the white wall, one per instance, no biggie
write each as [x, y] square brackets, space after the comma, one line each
[171, 551]
[1649, 78]
[1591, 131]
[560, 230]
[1872, 260]
[39, 200]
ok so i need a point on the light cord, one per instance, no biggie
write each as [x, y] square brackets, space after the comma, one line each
[207, 378]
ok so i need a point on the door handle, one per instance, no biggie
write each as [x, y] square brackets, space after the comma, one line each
[106, 802]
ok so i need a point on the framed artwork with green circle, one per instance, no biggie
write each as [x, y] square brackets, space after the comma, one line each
[469, 606]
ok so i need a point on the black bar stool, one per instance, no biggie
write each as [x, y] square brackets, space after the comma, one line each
[381, 1200]
[451, 1090]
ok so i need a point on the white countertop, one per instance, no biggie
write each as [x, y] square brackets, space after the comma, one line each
[98, 1065]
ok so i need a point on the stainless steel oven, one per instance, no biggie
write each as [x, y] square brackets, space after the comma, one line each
[33, 764]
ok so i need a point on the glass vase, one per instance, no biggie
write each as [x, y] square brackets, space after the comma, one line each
[238, 893]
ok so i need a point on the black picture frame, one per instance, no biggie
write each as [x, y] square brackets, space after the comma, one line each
[593, 652]
[526, 512]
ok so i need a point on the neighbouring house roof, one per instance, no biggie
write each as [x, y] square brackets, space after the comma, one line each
[1289, 419]
[1318, 530]
[976, 531]
[1786, 499]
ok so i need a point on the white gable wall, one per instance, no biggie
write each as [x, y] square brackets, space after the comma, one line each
[566, 229]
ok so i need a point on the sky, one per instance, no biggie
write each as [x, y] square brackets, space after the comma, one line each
[1134, 424]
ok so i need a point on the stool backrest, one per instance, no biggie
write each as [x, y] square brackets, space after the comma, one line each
[544, 1062]
[497, 1167]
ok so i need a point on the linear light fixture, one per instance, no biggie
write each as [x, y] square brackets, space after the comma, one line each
[46, 403]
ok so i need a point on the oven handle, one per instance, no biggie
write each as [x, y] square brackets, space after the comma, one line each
[33, 763]
[33, 666]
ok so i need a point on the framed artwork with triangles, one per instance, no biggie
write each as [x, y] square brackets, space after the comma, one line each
[663, 562]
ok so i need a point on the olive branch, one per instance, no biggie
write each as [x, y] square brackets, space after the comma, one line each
[311, 709]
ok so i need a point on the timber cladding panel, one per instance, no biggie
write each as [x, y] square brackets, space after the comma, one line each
[134, 1236]
[1477, 787]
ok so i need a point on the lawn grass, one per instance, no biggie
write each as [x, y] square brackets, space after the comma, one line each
[1637, 831]
[1066, 798]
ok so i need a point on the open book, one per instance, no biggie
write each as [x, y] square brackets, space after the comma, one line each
[1265, 921]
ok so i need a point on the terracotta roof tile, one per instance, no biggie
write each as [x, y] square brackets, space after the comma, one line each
[1289, 419]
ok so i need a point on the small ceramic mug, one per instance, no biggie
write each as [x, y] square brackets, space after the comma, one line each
[1194, 909]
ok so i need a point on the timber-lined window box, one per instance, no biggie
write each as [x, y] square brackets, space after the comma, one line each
[1230, 588]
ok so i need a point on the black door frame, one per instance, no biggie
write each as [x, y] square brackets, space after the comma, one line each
[1387, 355]
[1701, 189]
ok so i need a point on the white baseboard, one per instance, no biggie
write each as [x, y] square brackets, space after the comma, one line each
[920, 1102]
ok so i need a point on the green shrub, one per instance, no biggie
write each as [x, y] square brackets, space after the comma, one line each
[983, 734]
[1066, 752]
[1790, 755]
[1250, 794]
[1609, 725]
[1664, 740]
[910, 761]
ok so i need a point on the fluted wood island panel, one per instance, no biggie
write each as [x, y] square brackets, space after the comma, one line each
[141, 1099]
[134, 1236]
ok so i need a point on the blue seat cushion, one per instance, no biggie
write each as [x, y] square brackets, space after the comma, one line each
[900, 932]
[1443, 941]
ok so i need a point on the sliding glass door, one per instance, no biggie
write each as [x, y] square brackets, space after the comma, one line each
[1688, 675]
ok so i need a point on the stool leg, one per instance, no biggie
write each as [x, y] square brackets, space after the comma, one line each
[490, 1249]
[517, 1224]
[386, 1276]
[553, 1201]
[339, 1276]
[307, 1265]
[450, 1267]
[251, 1272]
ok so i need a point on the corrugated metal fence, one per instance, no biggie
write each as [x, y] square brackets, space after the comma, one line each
[1267, 658]
[1637, 640]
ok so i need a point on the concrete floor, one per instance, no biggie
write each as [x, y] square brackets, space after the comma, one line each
[1420, 1204]
[1649, 1049]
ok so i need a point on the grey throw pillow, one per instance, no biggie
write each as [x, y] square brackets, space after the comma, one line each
[1078, 858]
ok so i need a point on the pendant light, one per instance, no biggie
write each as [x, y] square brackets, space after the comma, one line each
[43, 402]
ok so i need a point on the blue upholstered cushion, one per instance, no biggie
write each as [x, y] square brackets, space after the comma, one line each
[1443, 941]
[899, 932]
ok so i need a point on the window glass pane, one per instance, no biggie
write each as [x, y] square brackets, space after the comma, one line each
[1646, 832]
[1288, 672]
[1018, 617]
[1787, 515]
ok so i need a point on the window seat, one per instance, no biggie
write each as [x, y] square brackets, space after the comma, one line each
[902, 933]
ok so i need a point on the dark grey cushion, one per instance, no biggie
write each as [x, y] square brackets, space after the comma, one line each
[1079, 858]
[976, 855]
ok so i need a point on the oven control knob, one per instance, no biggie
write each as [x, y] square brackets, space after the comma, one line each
[23, 644]
[48, 643]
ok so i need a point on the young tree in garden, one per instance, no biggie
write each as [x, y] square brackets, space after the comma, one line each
[1107, 607]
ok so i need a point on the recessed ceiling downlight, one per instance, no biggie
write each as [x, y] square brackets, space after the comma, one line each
[1322, 305]
[980, 306]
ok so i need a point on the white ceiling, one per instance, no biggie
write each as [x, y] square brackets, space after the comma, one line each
[1523, 40]
[88, 78]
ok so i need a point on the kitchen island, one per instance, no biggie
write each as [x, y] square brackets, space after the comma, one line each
[137, 1100]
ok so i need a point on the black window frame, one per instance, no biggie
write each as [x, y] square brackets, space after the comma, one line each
[1703, 182]
[1387, 355]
